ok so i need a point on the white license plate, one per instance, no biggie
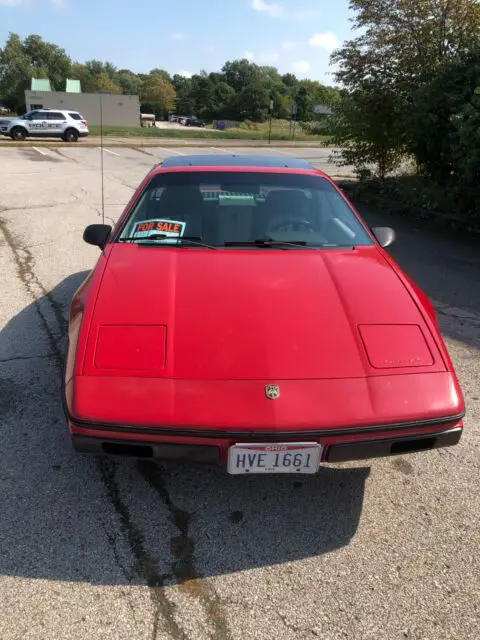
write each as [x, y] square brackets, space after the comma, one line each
[292, 457]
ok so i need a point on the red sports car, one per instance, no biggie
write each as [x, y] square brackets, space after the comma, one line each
[242, 313]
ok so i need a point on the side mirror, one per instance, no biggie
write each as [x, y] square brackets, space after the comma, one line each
[385, 236]
[97, 234]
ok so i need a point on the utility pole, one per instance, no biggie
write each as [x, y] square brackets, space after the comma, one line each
[270, 127]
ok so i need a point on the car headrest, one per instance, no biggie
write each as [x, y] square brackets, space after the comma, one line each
[181, 200]
[287, 202]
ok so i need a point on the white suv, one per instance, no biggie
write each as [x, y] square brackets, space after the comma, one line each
[68, 125]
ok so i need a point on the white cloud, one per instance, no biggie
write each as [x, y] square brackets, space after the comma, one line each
[301, 66]
[249, 55]
[289, 45]
[185, 74]
[307, 14]
[11, 3]
[274, 10]
[59, 4]
[327, 41]
[177, 36]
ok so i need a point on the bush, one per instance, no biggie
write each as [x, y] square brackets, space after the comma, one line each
[367, 125]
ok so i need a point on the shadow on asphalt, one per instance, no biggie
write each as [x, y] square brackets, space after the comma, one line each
[444, 264]
[78, 518]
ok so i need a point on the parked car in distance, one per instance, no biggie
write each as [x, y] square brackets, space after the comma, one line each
[46, 123]
[194, 122]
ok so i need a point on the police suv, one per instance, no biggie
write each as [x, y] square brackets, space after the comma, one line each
[68, 125]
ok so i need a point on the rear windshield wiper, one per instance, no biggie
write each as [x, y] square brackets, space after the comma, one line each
[148, 241]
[268, 242]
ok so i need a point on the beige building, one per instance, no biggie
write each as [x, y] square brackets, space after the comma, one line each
[116, 109]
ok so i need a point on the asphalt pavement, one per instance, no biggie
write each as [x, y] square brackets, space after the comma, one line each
[90, 548]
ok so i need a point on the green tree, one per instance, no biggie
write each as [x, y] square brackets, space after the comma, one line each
[158, 94]
[369, 131]
[104, 83]
[20, 61]
[240, 73]
[129, 82]
[402, 46]
[446, 138]
[185, 103]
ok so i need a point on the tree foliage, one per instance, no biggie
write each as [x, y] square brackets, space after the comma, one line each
[159, 93]
[446, 140]
[402, 46]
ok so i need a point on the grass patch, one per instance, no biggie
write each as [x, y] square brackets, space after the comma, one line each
[229, 134]
[415, 196]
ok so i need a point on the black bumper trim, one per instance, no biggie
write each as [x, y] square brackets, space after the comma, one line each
[383, 447]
[254, 434]
[209, 454]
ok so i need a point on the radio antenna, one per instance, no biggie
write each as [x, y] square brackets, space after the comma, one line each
[101, 158]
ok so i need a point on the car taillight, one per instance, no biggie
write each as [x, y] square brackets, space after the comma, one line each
[85, 123]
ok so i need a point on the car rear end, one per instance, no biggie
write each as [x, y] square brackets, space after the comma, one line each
[77, 120]
[5, 126]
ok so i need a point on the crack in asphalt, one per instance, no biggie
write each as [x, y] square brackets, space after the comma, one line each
[41, 357]
[470, 319]
[145, 565]
[183, 549]
[24, 263]
[40, 206]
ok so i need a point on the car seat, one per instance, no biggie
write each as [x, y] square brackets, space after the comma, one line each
[284, 205]
[179, 203]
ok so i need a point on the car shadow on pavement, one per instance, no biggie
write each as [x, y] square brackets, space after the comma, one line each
[77, 518]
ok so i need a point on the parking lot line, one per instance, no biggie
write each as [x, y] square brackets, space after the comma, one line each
[179, 153]
[220, 149]
[43, 153]
[112, 152]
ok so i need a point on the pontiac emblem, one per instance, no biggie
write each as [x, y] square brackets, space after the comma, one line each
[272, 391]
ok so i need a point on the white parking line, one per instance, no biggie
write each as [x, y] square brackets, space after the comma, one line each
[43, 153]
[179, 153]
[220, 149]
[112, 152]
[284, 153]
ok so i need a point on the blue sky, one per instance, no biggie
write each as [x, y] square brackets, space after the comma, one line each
[188, 35]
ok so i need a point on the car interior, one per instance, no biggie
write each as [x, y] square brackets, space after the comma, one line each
[276, 213]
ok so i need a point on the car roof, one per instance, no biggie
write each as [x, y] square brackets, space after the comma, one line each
[235, 160]
[57, 110]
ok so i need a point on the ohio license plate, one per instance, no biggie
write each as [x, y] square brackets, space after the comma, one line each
[292, 457]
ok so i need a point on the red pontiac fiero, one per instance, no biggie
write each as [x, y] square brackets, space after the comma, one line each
[242, 313]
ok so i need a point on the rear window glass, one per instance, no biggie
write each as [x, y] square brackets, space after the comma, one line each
[76, 116]
[227, 207]
[55, 115]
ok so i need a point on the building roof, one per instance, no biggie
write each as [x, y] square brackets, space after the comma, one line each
[235, 160]
[40, 84]
[73, 86]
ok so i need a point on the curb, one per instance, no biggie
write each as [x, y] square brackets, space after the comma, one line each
[160, 141]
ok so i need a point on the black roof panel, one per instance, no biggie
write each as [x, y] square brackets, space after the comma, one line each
[235, 160]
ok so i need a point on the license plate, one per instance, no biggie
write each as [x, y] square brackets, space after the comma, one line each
[292, 457]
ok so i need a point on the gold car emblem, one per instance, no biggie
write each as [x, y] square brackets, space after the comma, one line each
[272, 391]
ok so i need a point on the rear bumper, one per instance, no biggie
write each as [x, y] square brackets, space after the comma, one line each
[215, 451]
